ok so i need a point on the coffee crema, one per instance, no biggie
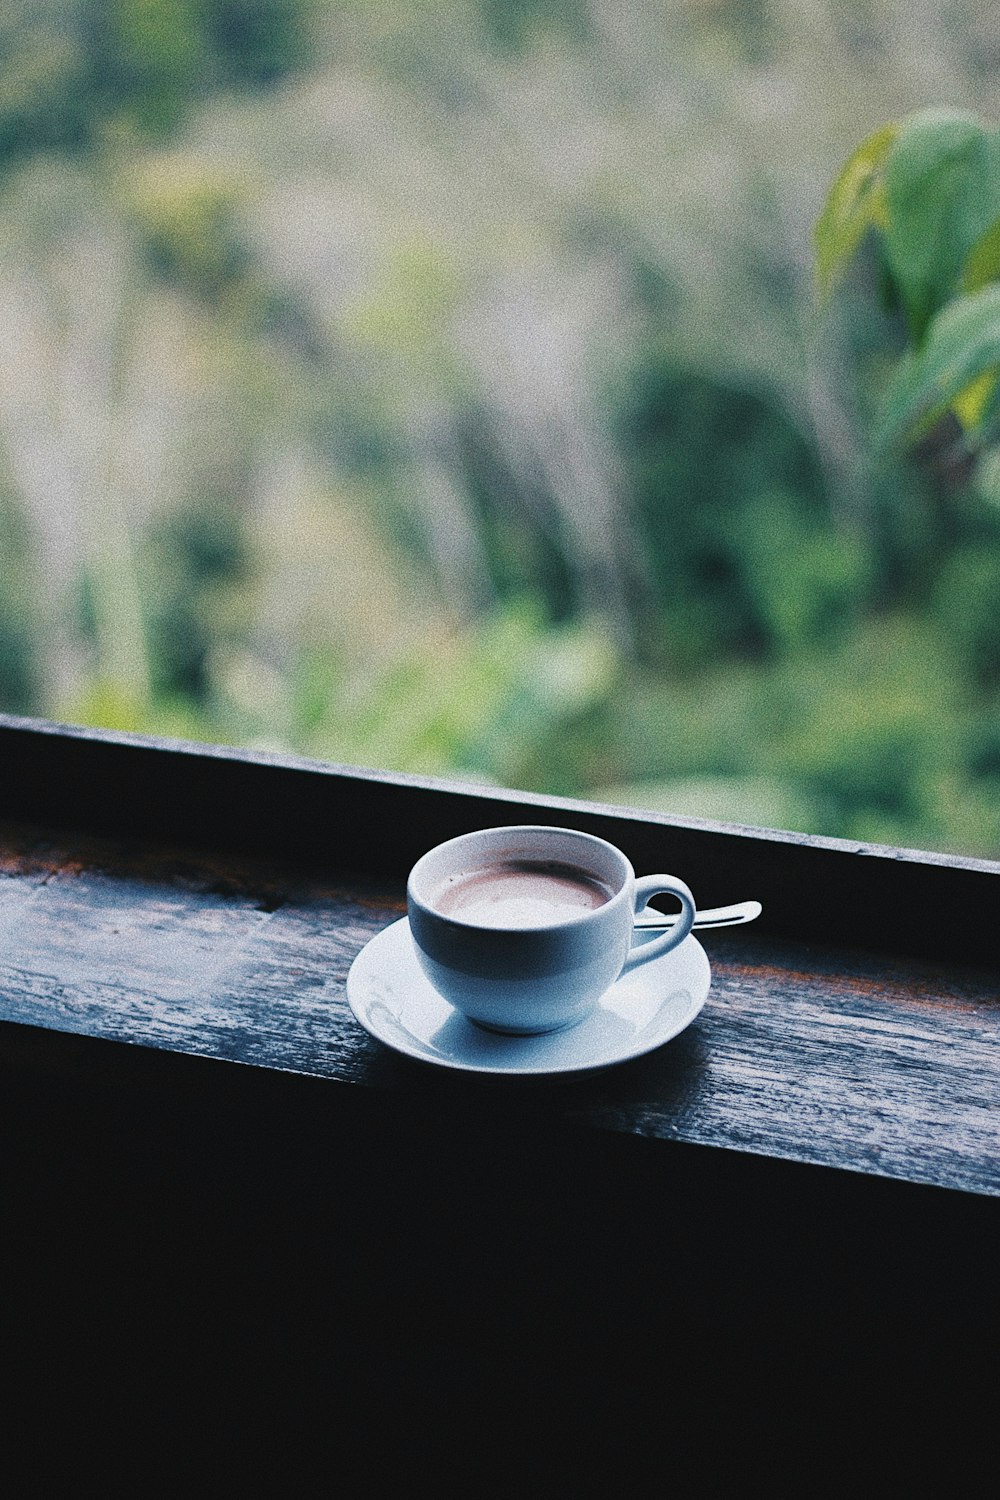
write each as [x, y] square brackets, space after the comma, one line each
[520, 893]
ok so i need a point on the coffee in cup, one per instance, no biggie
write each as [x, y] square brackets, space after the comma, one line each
[520, 892]
[524, 928]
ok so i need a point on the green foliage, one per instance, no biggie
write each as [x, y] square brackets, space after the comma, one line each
[928, 190]
[916, 749]
[186, 216]
[365, 349]
[71, 73]
[475, 703]
[513, 24]
[523, 535]
[942, 193]
[854, 205]
[199, 558]
[742, 557]
[966, 601]
[876, 738]
[953, 369]
[260, 41]
[982, 264]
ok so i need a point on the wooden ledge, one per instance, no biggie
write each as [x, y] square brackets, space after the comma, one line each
[208, 903]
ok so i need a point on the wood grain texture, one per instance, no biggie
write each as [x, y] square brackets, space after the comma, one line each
[835, 1057]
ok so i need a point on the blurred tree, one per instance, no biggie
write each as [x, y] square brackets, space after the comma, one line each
[450, 408]
[744, 557]
[513, 24]
[73, 72]
[200, 553]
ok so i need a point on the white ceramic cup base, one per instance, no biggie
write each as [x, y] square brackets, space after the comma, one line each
[527, 1030]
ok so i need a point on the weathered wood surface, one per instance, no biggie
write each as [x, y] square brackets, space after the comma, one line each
[836, 1057]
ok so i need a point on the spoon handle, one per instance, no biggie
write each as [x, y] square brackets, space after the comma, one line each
[717, 916]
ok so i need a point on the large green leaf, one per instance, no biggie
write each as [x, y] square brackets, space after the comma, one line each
[961, 348]
[942, 192]
[855, 203]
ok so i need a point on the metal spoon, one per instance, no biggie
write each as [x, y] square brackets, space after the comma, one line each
[716, 916]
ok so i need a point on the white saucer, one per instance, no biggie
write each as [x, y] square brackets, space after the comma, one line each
[394, 1001]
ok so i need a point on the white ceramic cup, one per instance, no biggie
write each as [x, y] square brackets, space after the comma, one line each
[548, 974]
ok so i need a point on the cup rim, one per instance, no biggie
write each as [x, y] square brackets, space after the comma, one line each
[421, 899]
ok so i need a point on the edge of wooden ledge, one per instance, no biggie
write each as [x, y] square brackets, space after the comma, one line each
[17, 725]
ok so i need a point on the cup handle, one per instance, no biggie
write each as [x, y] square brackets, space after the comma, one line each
[657, 885]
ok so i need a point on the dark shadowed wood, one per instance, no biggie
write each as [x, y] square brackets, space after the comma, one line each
[832, 1056]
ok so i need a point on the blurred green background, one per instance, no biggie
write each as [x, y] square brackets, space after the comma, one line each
[441, 387]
